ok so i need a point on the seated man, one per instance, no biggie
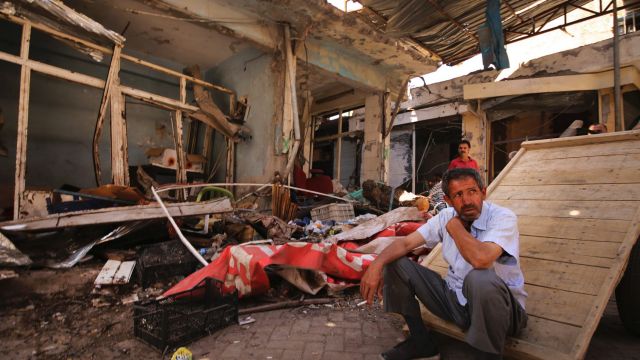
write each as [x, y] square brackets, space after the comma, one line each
[483, 292]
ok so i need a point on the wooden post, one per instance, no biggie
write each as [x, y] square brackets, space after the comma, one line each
[339, 155]
[413, 158]
[181, 171]
[312, 138]
[119, 163]
[111, 82]
[23, 121]
[229, 177]
[206, 147]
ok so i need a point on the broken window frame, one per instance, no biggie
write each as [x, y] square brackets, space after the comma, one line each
[113, 91]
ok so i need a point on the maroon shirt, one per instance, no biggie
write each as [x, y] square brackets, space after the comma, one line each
[459, 163]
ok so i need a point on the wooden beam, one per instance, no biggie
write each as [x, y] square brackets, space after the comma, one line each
[107, 50]
[339, 140]
[79, 78]
[181, 170]
[229, 175]
[23, 120]
[159, 100]
[108, 85]
[119, 163]
[581, 82]
[336, 136]
[118, 214]
[433, 112]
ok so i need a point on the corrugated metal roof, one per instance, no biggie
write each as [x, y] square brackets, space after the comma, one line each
[448, 27]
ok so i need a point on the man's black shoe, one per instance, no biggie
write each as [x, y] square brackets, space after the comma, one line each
[412, 349]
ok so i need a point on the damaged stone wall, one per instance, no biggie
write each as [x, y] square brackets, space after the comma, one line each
[258, 76]
[585, 59]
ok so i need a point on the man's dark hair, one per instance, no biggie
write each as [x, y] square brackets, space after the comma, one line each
[465, 141]
[460, 173]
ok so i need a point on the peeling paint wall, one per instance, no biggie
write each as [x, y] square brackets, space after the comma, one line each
[400, 157]
[474, 129]
[258, 76]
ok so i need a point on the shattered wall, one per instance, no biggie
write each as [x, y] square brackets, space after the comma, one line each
[400, 157]
[589, 58]
[258, 76]
[62, 115]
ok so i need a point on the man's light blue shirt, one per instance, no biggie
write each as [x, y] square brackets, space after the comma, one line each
[496, 224]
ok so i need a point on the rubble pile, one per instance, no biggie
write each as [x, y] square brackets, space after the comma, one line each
[297, 250]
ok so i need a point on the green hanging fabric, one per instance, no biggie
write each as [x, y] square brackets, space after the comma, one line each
[492, 39]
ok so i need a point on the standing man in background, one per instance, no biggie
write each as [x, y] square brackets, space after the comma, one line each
[463, 160]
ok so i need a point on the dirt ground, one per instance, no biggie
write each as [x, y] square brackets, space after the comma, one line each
[47, 314]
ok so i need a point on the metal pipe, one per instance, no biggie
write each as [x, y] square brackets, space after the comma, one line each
[188, 186]
[184, 240]
[617, 95]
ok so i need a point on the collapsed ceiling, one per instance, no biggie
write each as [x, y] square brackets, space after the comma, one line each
[448, 27]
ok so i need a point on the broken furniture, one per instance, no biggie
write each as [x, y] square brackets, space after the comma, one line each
[578, 209]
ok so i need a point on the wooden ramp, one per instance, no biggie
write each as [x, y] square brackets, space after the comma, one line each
[578, 206]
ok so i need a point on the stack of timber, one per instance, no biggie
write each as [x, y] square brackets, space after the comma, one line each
[578, 206]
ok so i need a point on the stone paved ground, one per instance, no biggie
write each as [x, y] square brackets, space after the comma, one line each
[361, 334]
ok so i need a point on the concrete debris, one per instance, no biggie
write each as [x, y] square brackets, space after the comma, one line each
[374, 226]
[10, 255]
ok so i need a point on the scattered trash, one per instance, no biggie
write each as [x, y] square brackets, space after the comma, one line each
[182, 354]
[246, 320]
[115, 272]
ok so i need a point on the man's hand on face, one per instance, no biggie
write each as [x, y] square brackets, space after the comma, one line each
[457, 224]
[371, 283]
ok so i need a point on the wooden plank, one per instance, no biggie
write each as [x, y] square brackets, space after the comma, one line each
[119, 167]
[123, 275]
[593, 253]
[576, 177]
[181, 161]
[118, 214]
[572, 228]
[600, 192]
[107, 50]
[618, 210]
[541, 339]
[159, 100]
[500, 178]
[339, 151]
[23, 121]
[606, 288]
[581, 82]
[562, 276]
[432, 112]
[558, 305]
[595, 163]
[105, 277]
[552, 304]
[79, 78]
[582, 140]
[110, 84]
[580, 151]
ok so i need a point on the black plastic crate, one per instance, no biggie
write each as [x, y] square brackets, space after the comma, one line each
[161, 261]
[185, 317]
